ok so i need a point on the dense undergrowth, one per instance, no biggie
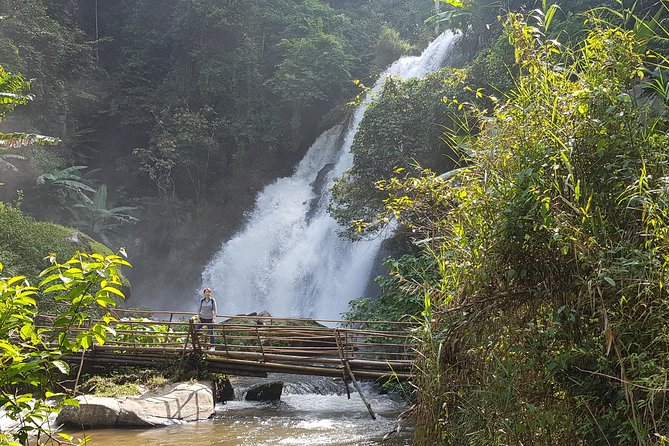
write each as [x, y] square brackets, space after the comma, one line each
[33, 372]
[547, 324]
[25, 242]
[124, 382]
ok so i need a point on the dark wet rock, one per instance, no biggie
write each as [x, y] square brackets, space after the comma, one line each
[224, 390]
[270, 391]
[319, 183]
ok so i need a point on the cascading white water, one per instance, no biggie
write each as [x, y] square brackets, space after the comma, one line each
[288, 258]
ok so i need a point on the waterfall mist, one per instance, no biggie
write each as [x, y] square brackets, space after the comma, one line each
[288, 258]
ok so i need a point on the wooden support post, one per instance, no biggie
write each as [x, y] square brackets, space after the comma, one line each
[348, 391]
[343, 365]
[346, 343]
[183, 353]
[225, 341]
[357, 387]
[194, 337]
[347, 366]
[262, 350]
[133, 337]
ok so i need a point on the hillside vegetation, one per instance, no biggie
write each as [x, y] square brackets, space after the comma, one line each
[530, 185]
[546, 322]
[26, 243]
[179, 112]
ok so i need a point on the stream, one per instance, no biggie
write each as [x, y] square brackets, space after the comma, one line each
[312, 411]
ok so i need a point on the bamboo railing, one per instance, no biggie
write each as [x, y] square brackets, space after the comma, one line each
[254, 345]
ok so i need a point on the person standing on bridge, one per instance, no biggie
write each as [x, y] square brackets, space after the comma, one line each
[207, 313]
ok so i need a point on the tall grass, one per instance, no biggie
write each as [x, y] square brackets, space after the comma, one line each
[548, 324]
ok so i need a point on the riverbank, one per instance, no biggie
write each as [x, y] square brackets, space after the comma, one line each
[313, 411]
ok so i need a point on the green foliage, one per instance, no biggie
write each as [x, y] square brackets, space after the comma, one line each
[401, 290]
[476, 20]
[185, 155]
[125, 382]
[328, 69]
[69, 179]
[401, 128]
[51, 51]
[547, 325]
[493, 67]
[282, 66]
[6, 160]
[13, 92]
[105, 387]
[266, 68]
[390, 46]
[25, 242]
[95, 217]
[139, 331]
[316, 49]
[31, 352]
[63, 187]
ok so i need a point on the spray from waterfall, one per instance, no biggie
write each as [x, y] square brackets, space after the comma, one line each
[288, 258]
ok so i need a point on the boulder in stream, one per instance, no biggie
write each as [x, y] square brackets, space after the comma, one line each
[270, 391]
[160, 407]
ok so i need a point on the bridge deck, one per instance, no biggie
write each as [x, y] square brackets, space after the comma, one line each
[256, 345]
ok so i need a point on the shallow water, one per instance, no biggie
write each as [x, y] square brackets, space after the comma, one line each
[299, 419]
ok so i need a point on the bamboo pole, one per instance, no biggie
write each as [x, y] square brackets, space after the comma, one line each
[262, 350]
[276, 346]
[343, 370]
[356, 363]
[194, 337]
[355, 383]
[241, 364]
[183, 352]
[305, 370]
[274, 353]
[357, 387]
[271, 319]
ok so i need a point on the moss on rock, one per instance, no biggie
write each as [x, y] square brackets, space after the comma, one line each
[25, 243]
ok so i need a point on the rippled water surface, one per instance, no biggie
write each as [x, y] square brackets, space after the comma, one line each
[299, 419]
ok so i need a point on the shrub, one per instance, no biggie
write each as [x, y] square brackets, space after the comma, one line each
[547, 325]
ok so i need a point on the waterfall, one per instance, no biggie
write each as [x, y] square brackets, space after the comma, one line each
[288, 258]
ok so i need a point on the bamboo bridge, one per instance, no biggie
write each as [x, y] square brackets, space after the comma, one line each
[253, 346]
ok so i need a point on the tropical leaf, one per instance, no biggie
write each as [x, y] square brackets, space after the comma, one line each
[16, 140]
[6, 164]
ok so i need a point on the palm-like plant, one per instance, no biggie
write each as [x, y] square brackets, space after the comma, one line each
[5, 156]
[13, 92]
[70, 180]
[94, 216]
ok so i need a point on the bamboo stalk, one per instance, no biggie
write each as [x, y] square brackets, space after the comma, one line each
[271, 345]
[306, 370]
[188, 314]
[357, 387]
[344, 360]
[106, 349]
[233, 364]
[271, 352]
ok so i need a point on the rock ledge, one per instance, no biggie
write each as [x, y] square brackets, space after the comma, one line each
[165, 406]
